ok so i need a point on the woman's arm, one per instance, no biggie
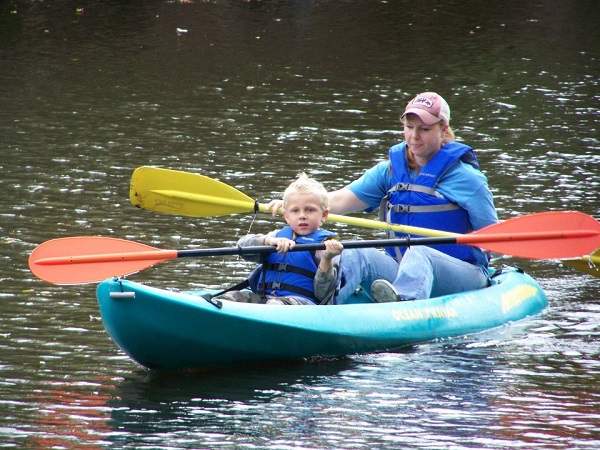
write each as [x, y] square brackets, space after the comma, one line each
[344, 201]
[372, 186]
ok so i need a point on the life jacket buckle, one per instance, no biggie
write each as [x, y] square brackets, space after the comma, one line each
[401, 208]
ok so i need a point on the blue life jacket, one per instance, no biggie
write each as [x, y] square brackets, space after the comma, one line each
[416, 202]
[291, 273]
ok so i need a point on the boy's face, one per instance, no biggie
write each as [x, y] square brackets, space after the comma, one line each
[303, 213]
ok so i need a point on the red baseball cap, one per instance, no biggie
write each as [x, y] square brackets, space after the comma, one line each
[430, 107]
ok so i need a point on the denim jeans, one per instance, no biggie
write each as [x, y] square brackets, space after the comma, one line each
[360, 267]
[425, 272]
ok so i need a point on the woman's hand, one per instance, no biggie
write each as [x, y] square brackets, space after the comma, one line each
[275, 206]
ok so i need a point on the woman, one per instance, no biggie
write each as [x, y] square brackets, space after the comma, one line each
[429, 181]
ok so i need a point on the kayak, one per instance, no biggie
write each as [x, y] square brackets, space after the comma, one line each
[167, 330]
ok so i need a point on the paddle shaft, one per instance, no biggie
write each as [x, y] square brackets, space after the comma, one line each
[176, 199]
[152, 255]
[469, 239]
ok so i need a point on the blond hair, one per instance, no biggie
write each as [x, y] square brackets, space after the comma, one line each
[448, 135]
[307, 185]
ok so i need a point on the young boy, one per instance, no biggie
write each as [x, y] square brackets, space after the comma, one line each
[296, 277]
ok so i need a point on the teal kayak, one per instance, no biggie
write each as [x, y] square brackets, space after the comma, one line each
[170, 330]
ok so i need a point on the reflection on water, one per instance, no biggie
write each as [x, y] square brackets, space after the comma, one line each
[252, 93]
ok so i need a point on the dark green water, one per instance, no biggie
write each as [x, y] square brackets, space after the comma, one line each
[252, 93]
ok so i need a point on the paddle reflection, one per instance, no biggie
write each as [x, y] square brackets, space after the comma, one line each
[71, 411]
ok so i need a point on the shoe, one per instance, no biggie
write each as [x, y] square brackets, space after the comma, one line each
[384, 292]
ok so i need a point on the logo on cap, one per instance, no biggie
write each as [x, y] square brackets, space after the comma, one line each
[424, 101]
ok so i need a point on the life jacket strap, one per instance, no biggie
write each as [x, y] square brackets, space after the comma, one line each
[423, 208]
[271, 286]
[282, 267]
[416, 188]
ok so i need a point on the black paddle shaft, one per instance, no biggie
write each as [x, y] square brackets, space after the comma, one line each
[263, 249]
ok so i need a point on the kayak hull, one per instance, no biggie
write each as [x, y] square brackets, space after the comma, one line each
[168, 330]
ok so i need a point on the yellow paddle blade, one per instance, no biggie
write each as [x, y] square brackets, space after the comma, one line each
[186, 194]
[588, 264]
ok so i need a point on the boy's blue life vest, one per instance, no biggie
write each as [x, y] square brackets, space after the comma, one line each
[291, 273]
[416, 202]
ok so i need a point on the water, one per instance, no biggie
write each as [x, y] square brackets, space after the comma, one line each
[252, 93]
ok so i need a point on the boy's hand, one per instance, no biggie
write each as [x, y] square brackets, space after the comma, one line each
[283, 245]
[333, 247]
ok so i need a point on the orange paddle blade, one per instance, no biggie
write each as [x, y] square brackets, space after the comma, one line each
[96, 258]
[548, 235]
